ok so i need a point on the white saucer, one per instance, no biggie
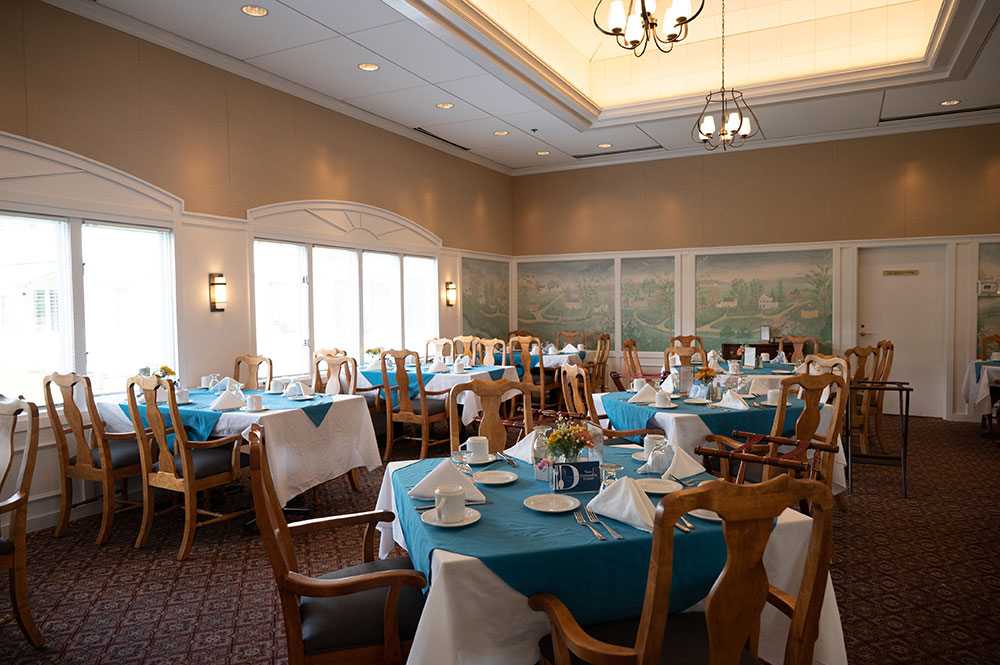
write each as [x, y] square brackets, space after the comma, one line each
[552, 503]
[765, 403]
[706, 514]
[658, 485]
[672, 406]
[249, 410]
[302, 398]
[639, 456]
[190, 401]
[494, 477]
[489, 460]
[747, 395]
[697, 400]
[430, 517]
[782, 371]
[274, 392]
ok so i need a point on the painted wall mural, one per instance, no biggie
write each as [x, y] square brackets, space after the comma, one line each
[989, 306]
[792, 292]
[566, 295]
[648, 301]
[485, 298]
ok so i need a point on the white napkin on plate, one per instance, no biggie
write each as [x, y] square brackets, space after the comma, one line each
[667, 385]
[445, 473]
[466, 361]
[782, 358]
[658, 463]
[374, 365]
[626, 502]
[523, 449]
[534, 348]
[438, 366]
[712, 356]
[644, 396]
[675, 360]
[551, 348]
[715, 366]
[683, 465]
[569, 348]
[224, 384]
[731, 400]
[230, 399]
[296, 389]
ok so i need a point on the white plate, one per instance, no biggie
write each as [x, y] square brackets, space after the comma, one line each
[748, 395]
[190, 401]
[274, 392]
[766, 403]
[672, 406]
[489, 460]
[782, 371]
[639, 456]
[249, 410]
[706, 514]
[658, 485]
[494, 477]
[430, 517]
[552, 503]
[302, 398]
[697, 400]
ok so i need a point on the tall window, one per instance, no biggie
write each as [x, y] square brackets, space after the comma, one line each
[128, 290]
[281, 301]
[420, 295]
[382, 300]
[335, 299]
[36, 314]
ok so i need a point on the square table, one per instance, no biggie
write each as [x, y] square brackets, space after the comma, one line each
[473, 616]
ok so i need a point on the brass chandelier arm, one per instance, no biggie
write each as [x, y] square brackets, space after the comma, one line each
[651, 30]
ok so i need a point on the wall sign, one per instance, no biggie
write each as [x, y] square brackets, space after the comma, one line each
[897, 273]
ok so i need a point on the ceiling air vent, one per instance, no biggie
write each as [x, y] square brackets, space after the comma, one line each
[936, 114]
[605, 153]
[435, 136]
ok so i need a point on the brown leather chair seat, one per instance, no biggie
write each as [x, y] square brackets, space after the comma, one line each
[208, 462]
[123, 453]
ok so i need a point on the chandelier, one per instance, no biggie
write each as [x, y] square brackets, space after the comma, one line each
[638, 27]
[737, 121]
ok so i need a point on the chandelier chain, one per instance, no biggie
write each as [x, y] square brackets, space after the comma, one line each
[723, 44]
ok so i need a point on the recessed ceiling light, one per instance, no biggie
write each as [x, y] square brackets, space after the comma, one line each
[542, 153]
[253, 10]
[368, 67]
[446, 105]
[603, 145]
[501, 132]
[951, 102]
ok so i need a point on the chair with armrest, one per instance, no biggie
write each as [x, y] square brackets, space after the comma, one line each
[863, 364]
[102, 457]
[491, 394]
[598, 368]
[886, 352]
[579, 400]
[687, 340]
[542, 380]
[633, 368]
[818, 363]
[462, 345]
[366, 613]
[798, 343]
[564, 337]
[684, 354]
[440, 347]
[519, 333]
[253, 364]
[13, 547]
[401, 408]
[342, 373]
[728, 631]
[485, 350]
[178, 464]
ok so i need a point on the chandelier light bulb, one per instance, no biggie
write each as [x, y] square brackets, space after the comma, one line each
[616, 16]
[733, 123]
[633, 29]
[682, 9]
[745, 127]
[650, 6]
[708, 125]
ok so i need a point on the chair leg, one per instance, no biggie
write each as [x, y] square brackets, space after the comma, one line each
[841, 500]
[66, 506]
[879, 436]
[107, 509]
[388, 440]
[352, 476]
[425, 439]
[190, 524]
[147, 513]
[19, 599]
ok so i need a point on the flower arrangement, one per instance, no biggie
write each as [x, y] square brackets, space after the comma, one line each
[568, 438]
[374, 352]
[705, 375]
[163, 372]
[739, 351]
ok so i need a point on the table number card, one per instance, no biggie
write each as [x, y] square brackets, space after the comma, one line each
[576, 477]
[750, 356]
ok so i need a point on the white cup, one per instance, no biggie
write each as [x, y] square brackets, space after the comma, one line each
[651, 441]
[277, 385]
[458, 367]
[449, 504]
[637, 384]
[478, 447]
[995, 356]
[765, 357]
[206, 381]
[182, 395]
[254, 403]
[662, 399]
[774, 396]
[734, 366]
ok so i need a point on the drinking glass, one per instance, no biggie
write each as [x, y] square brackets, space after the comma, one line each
[609, 474]
[461, 459]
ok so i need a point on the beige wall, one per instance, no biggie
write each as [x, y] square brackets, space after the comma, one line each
[944, 182]
[220, 142]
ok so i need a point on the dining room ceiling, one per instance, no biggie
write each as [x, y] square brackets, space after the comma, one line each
[813, 69]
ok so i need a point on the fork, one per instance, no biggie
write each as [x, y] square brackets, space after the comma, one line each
[592, 516]
[581, 522]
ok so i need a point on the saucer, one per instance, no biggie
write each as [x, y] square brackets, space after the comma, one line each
[491, 458]
[430, 517]
[658, 485]
[552, 503]
[639, 456]
[302, 398]
[782, 371]
[274, 392]
[494, 477]
[249, 410]
[672, 406]
[705, 514]
[766, 403]
[697, 400]
[190, 401]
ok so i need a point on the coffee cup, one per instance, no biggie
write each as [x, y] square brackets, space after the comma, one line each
[182, 395]
[458, 367]
[637, 384]
[449, 504]
[651, 442]
[995, 356]
[734, 366]
[774, 396]
[662, 399]
[765, 357]
[255, 403]
[276, 385]
[479, 449]
[206, 381]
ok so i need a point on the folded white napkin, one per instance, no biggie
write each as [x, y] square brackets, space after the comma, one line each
[466, 361]
[296, 389]
[224, 384]
[733, 401]
[438, 366]
[675, 360]
[534, 348]
[228, 400]
[782, 358]
[715, 366]
[645, 395]
[668, 384]
[551, 348]
[445, 473]
[569, 348]
[712, 355]
[683, 465]
[626, 502]
[522, 450]
[658, 463]
[374, 365]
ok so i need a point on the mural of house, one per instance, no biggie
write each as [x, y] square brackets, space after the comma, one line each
[639, 303]
[532, 308]
[766, 302]
[795, 295]
[729, 303]
[810, 313]
[574, 303]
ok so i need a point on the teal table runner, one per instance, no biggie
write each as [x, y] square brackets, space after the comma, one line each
[374, 377]
[498, 358]
[624, 416]
[537, 552]
[987, 363]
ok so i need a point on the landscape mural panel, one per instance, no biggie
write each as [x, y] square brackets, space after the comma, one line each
[648, 301]
[566, 295]
[485, 298]
[792, 292]
[989, 306]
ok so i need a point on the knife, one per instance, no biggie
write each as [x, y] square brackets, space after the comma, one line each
[509, 460]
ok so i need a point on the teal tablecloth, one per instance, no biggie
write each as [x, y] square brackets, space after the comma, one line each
[624, 416]
[768, 368]
[987, 363]
[536, 552]
[374, 377]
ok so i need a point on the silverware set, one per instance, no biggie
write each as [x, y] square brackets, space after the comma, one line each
[582, 522]
[592, 516]
[507, 458]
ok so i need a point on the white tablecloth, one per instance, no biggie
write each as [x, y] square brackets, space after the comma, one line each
[301, 454]
[473, 617]
[977, 393]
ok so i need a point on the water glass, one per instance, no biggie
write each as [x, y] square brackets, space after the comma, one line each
[461, 459]
[609, 474]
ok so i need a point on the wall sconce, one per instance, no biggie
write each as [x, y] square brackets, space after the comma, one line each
[217, 291]
[450, 293]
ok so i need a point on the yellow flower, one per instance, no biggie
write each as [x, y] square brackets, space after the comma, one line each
[165, 371]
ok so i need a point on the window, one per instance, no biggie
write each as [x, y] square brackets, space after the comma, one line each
[128, 290]
[281, 301]
[420, 293]
[36, 316]
[335, 299]
[382, 301]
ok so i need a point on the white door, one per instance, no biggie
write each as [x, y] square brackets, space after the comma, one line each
[909, 311]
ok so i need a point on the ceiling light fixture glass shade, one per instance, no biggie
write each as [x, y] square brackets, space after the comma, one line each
[639, 26]
[737, 121]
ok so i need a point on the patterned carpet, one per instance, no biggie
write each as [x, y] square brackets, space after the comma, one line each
[917, 579]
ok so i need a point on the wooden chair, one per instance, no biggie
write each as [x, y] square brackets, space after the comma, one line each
[402, 409]
[253, 364]
[541, 379]
[579, 399]
[101, 457]
[342, 370]
[466, 349]
[519, 333]
[564, 337]
[435, 348]
[492, 425]
[181, 466]
[728, 631]
[633, 368]
[333, 351]
[363, 614]
[798, 343]
[995, 339]
[484, 350]
[598, 368]
[862, 363]
[818, 363]
[886, 351]
[683, 353]
[687, 340]
[13, 547]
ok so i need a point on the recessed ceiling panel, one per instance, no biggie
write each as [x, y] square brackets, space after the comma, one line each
[417, 107]
[555, 132]
[412, 47]
[491, 93]
[346, 16]
[820, 116]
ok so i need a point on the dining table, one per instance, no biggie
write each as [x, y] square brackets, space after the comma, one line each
[481, 575]
[766, 377]
[549, 360]
[309, 441]
[981, 376]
